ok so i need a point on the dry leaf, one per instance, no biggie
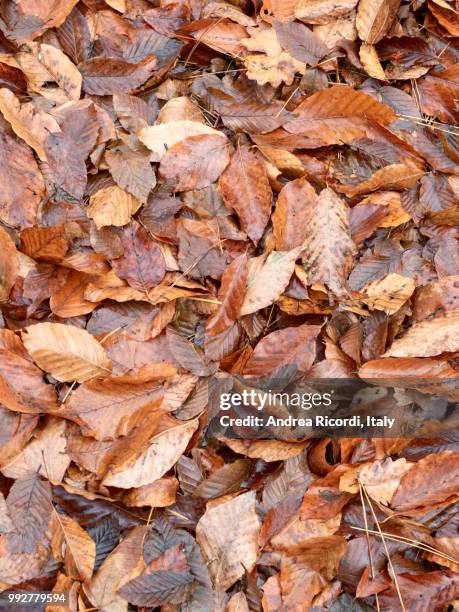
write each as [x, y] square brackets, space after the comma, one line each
[388, 294]
[245, 189]
[66, 352]
[381, 479]
[328, 248]
[272, 65]
[112, 206]
[428, 338]
[162, 453]
[230, 547]
[268, 278]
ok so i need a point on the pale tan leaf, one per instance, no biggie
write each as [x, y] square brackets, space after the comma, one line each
[180, 109]
[388, 294]
[30, 125]
[268, 279]
[382, 478]
[118, 5]
[323, 11]
[123, 564]
[112, 206]
[63, 71]
[80, 547]
[272, 65]
[45, 453]
[370, 61]
[428, 338]
[158, 494]
[328, 249]
[374, 18]
[268, 450]
[164, 451]
[222, 9]
[6, 524]
[160, 138]
[230, 546]
[66, 352]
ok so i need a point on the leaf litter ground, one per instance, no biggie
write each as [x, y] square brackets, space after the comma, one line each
[193, 190]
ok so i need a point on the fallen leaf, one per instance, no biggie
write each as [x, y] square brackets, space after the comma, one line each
[245, 189]
[273, 65]
[382, 478]
[428, 338]
[195, 162]
[374, 19]
[328, 250]
[162, 453]
[230, 548]
[112, 206]
[267, 279]
[162, 137]
[67, 352]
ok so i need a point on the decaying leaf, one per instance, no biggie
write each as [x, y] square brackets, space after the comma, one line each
[328, 247]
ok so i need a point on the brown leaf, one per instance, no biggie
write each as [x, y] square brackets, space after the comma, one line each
[63, 71]
[162, 453]
[142, 264]
[338, 115]
[429, 591]
[300, 42]
[431, 480]
[46, 451]
[328, 248]
[323, 11]
[438, 91]
[245, 189]
[267, 279]
[45, 243]
[161, 493]
[66, 352]
[21, 382]
[290, 218]
[231, 296]
[195, 162]
[230, 547]
[81, 548]
[125, 562]
[290, 346]
[105, 76]
[19, 198]
[223, 481]
[374, 19]
[112, 206]
[9, 265]
[33, 127]
[109, 408]
[131, 171]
